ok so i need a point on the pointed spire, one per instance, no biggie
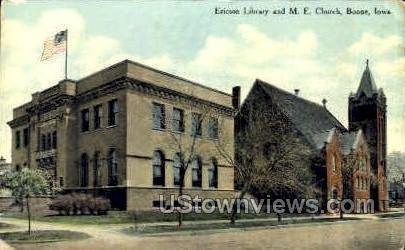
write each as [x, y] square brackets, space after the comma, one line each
[367, 84]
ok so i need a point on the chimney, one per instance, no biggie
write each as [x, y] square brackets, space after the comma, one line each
[324, 101]
[296, 91]
[236, 97]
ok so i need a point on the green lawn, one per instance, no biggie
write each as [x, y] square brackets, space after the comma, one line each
[197, 228]
[122, 217]
[41, 236]
[5, 225]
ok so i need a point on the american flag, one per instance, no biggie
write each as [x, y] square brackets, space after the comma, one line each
[54, 45]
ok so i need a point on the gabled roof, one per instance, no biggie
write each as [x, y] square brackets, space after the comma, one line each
[367, 84]
[350, 140]
[323, 137]
[314, 121]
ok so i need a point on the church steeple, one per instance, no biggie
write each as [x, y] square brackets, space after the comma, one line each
[367, 111]
[367, 85]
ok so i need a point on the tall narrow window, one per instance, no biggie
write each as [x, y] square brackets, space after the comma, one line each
[112, 112]
[158, 116]
[48, 141]
[358, 182]
[54, 140]
[17, 139]
[196, 172]
[213, 128]
[97, 116]
[196, 124]
[85, 120]
[43, 142]
[333, 162]
[26, 137]
[177, 168]
[178, 120]
[96, 169]
[158, 168]
[112, 167]
[213, 174]
[84, 170]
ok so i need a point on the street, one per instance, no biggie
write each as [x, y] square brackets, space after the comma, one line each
[361, 234]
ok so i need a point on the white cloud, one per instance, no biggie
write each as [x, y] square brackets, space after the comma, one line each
[374, 45]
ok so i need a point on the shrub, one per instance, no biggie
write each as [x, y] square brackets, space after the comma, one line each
[76, 203]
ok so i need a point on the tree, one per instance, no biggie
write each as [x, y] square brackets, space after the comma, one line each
[26, 184]
[349, 168]
[269, 156]
[185, 147]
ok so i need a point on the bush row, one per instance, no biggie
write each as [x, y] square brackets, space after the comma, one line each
[79, 203]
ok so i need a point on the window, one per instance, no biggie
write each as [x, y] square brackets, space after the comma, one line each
[213, 174]
[25, 137]
[196, 172]
[61, 181]
[85, 120]
[178, 120]
[43, 142]
[54, 140]
[213, 128]
[177, 169]
[112, 167]
[112, 112]
[97, 116]
[84, 170]
[196, 124]
[48, 141]
[96, 168]
[158, 116]
[358, 182]
[17, 168]
[158, 168]
[17, 139]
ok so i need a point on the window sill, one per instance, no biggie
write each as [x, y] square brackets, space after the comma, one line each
[111, 126]
[177, 132]
[159, 129]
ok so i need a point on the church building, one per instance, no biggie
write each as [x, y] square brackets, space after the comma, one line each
[346, 162]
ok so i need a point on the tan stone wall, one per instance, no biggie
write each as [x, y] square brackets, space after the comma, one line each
[101, 140]
[142, 140]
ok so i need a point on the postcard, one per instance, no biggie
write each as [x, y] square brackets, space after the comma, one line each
[202, 124]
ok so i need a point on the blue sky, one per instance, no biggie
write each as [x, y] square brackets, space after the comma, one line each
[322, 55]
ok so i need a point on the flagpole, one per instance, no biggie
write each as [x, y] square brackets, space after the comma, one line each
[66, 54]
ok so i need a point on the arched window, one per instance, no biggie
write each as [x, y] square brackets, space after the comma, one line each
[96, 169]
[48, 141]
[334, 193]
[112, 167]
[84, 170]
[177, 169]
[158, 168]
[213, 173]
[54, 140]
[196, 171]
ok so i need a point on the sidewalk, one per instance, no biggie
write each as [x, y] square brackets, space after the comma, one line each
[5, 246]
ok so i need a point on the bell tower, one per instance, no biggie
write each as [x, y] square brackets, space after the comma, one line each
[367, 111]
